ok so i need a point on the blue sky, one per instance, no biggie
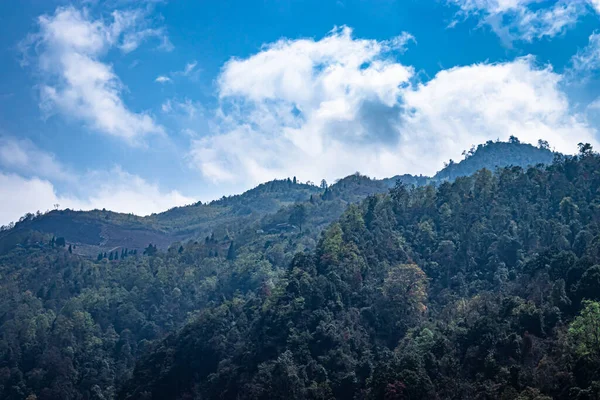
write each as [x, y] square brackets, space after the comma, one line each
[139, 106]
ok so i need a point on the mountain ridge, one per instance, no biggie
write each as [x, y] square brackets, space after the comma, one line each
[96, 231]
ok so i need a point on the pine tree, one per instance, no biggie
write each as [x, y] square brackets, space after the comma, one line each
[70, 250]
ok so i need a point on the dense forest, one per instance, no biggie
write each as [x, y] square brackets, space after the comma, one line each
[458, 287]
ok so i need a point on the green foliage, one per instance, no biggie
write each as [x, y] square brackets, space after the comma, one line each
[469, 289]
[584, 331]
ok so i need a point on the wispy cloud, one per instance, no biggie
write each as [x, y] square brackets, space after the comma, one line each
[189, 68]
[523, 20]
[68, 50]
[190, 71]
[22, 156]
[588, 59]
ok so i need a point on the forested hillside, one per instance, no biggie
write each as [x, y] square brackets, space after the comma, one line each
[492, 155]
[92, 232]
[259, 303]
[485, 288]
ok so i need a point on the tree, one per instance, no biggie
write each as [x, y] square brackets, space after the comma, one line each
[294, 181]
[298, 215]
[110, 256]
[589, 284]
[543, 144]
[406, 287]
[585, 149]
[152, 250]
[513, 139]
[70, 250]
[584, 331]
[323, 184]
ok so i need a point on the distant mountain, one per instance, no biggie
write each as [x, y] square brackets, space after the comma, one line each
[494, 155]
[91, 232]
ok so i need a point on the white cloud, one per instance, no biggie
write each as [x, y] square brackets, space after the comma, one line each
[588, 59]
[167, 106]
[19, 196]
[69, 45]
[595, 4]
[28, 177]
[326, 108]
[118, 190]
[189, 68]
[163, 79]
[190, 71]
[22, 156]
[115, 190]
[472, 104]
[523, 19]
[186, 108]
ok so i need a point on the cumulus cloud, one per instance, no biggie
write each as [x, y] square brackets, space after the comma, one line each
[524, 19]
[69, 46]
[326, 108]
[475, 103]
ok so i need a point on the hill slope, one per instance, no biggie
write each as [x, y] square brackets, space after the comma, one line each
[73, 327]
[97, 231]
[487, 287]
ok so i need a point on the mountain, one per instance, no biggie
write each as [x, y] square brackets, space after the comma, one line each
[484, 288]
[85, 298]
[100, 230]
[492, 155]
[91, 232]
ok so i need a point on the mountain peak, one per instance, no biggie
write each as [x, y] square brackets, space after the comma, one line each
[492, 155]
